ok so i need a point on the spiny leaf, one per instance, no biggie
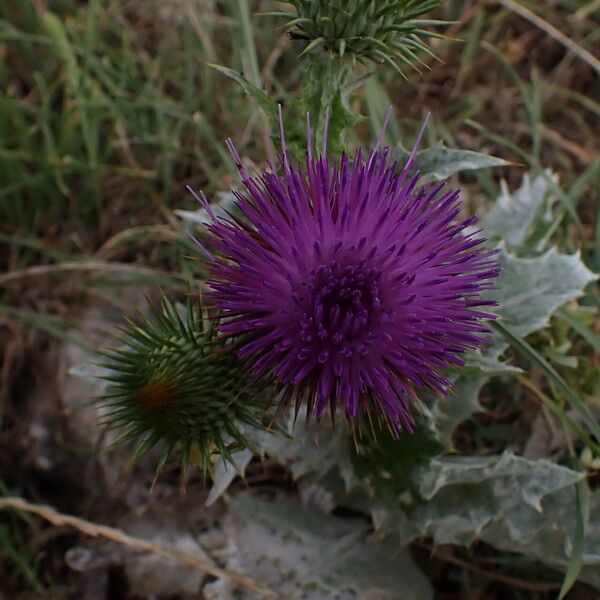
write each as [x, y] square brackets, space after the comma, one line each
[461, 404]
[531, 289]
[438, 162]
[308, 555]
[514, 216]
[392, 465]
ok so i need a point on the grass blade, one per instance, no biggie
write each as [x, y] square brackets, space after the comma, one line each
[582, 517]
[559, 36]
[53, 327]
[593, 339]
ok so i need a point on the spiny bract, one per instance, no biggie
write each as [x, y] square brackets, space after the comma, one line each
[174, 382]
[348, 283]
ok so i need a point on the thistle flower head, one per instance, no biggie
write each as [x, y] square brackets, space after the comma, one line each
[173, 382]
[364, 30]
[349, 283]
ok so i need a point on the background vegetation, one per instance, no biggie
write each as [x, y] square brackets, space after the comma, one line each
[109, 109]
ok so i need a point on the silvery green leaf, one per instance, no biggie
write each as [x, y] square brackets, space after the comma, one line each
[464, 495]
[514, 216]
[547, 536]
[438, 162]
[263, 100]
[512, 503]
[531, 289]
[302, 553]
[533, 479]
[225, 202]
[461, 404]
[307, 452]
[92, 373]
[488, 362]
[226, 471]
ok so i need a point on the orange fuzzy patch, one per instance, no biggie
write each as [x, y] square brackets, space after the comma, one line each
[154, 396]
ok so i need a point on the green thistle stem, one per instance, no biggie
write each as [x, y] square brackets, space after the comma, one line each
[323, 98]
[337, 36]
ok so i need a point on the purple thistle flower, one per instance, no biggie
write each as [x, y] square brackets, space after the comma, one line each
[349, 283]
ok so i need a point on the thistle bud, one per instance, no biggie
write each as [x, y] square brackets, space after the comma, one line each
[364, 30]
[174, 382]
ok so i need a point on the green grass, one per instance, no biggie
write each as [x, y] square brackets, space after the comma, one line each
[13, 549]
[100, 102]
[110, 109]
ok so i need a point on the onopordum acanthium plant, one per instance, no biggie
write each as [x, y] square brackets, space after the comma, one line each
[187, 389]
[348, 284]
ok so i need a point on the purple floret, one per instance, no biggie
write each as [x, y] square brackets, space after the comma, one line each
[349, 283]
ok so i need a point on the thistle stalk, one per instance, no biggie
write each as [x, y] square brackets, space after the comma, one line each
[341, 37]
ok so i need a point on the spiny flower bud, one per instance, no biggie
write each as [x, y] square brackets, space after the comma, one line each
[175, 382]
[364, 30]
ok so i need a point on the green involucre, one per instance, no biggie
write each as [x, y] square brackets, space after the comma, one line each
[364, 30]
[173, 381]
